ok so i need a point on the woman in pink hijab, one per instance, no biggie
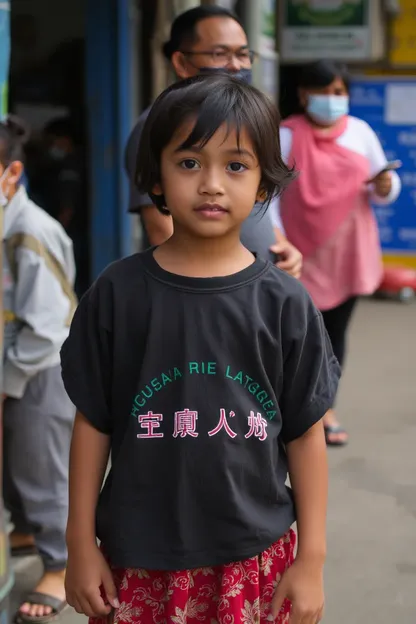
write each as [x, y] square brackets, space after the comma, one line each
[326, 211]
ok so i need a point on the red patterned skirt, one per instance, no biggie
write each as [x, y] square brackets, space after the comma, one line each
[236, 593]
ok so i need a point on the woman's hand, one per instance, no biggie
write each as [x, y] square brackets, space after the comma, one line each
[88, 572]
[303, 585]
[383, 184]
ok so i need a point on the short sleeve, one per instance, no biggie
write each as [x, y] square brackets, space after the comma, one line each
[286, 140]
[86, 357]
[375, 153]
[311, 375]
[136, 199]
[274, 209]
[285, 147]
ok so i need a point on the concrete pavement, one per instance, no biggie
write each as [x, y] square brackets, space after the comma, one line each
[371, 568]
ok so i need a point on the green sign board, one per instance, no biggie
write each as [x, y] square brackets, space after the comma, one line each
[336, 29]
[326, 13]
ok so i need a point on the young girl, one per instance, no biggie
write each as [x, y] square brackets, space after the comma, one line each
[38, 274]
[206, 372]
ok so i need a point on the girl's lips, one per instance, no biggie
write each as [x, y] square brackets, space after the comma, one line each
[211, 208]
[211, 211]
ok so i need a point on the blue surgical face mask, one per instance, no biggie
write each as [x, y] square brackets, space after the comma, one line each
[244, 74]
[327, 109]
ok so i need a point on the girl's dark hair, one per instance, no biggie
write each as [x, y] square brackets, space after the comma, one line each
[212, 100]
[183, 31]
[320, 74]
[13, 135]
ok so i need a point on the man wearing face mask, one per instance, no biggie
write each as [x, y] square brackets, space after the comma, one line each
[326, 211]
[65, 176]
[209, 39]
[64, 191]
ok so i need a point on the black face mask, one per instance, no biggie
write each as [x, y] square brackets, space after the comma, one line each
[245, 75]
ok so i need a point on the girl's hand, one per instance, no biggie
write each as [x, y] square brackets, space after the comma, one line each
[88, 572]
[303, 585]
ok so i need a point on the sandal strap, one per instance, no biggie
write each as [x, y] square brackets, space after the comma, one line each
[333, 429]
[37, 598]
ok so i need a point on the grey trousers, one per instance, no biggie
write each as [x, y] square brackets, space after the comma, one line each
[37, 436]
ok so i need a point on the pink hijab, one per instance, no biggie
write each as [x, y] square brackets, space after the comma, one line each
[330, 184]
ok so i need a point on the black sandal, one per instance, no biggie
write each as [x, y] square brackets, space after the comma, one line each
[331, 430]
[37, 598]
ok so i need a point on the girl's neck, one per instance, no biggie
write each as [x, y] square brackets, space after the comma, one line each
[186, 255]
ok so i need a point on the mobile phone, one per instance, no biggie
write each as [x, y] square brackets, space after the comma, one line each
[392, 165]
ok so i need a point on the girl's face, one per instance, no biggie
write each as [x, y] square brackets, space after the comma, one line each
[210, 190]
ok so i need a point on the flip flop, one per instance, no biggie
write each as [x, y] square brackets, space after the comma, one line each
[37, 598]
[331, 430]
[23, 551]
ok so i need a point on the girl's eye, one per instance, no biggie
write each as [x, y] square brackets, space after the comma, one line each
[236, 167]
[190, 163]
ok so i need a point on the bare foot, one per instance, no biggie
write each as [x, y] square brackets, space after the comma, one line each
[51, 584]
[334, 437]
[21, 540]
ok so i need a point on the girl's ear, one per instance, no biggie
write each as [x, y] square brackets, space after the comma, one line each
[157, 189]
[261, 195]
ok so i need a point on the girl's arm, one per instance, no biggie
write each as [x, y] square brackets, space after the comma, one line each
[308, 472]
[87, 569]
[310, 379]
[303, 583]
[87, 372]
[90, 451]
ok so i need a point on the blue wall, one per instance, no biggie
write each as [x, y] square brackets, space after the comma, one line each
[109, 53]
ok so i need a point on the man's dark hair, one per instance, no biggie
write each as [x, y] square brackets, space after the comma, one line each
[183, 31]
[212, 101]
[320, 74]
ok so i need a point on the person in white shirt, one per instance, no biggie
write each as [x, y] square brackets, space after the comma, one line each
[38, 303]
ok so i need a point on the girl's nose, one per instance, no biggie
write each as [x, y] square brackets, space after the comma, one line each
[211, 183]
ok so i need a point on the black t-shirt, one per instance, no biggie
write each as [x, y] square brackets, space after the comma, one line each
[200, 382]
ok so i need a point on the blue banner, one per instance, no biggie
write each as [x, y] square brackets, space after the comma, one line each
[4, 54]
[388, 105]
